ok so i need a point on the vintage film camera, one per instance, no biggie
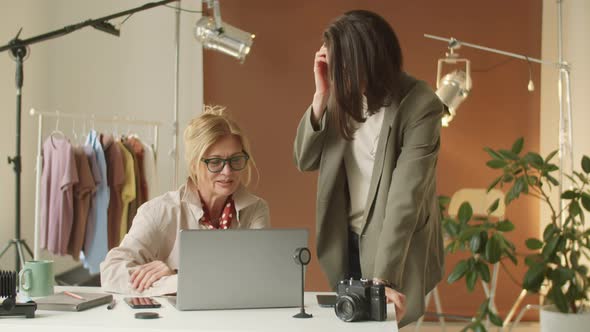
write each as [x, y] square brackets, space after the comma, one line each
[360, 300]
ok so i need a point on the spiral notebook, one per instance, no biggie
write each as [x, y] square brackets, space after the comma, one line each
[62, 302]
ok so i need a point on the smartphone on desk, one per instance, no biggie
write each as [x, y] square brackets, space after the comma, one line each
[326, 300]
[142, 302]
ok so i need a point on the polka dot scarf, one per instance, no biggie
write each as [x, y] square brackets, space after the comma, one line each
[229, 210]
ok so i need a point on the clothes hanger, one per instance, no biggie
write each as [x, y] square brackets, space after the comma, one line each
[74, 133]
[56, 133]
[84, 132]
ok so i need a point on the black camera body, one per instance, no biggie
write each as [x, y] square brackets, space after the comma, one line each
[360, 300]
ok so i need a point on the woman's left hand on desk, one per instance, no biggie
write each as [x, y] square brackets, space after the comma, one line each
[145, 275]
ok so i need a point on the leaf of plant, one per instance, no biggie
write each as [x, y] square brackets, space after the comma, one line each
[484, 271]
[533, 180]
[483, 235]
[548, 232]
[494, 183]
[575, 209]
[458, 272]
[551, 168]
[561, 275]
[493, 250]
[483, 308]
[495, 319]
[494, 206]
[478, 327]
[552, 180]
[506, 178]
[534, 159]
[517, 146]
[586, 201]
[581, 176]
[493, 153]
[512, 258]
[558, 298]
[550, 155]
[465, 213]
[444, 200]
[508, 154]
[475, 243]
[505, 226]
[550, 247]
[505, 243]
[452, 229]
[586, 164]
[534, 277]
[574, 259]
[569, 194]
[495, 163]
[534, 259]
[470, 279]
[533, 244]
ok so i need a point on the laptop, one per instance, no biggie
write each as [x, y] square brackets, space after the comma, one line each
[238, 269]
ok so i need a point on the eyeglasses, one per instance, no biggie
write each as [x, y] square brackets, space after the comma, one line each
[236, 163]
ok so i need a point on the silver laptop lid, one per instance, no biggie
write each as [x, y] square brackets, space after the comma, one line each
[235, 269]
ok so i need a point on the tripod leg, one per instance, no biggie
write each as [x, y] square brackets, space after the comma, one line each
[28, 248]
[21, 256]
[6, 247]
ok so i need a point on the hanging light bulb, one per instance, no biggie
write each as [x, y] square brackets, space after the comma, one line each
[531, 85]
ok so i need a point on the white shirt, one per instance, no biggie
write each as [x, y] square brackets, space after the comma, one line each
[154, 236]
[359, 158]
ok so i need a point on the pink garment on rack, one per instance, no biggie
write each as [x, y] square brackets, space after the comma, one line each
[57, 203]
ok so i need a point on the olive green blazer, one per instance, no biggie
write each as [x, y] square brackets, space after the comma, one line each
[401, 239]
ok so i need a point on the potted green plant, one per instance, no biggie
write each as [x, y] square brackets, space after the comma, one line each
[483, 236]
[558, 265]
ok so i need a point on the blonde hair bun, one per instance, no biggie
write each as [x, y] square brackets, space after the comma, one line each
[214, 109]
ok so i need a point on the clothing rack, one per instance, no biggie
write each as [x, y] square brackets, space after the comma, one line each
[39, 164]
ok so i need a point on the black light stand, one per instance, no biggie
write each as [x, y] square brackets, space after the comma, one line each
[18, 53]
[18, 50]
[302, 257]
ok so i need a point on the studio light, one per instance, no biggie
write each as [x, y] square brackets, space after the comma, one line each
[454, 87]
[217, 35]
[452, 91]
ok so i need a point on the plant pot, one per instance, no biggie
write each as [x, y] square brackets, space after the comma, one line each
[553, 320]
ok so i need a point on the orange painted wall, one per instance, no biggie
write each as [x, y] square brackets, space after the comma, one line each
[268, 94]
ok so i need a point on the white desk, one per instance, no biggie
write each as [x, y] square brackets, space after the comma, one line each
[121, 318]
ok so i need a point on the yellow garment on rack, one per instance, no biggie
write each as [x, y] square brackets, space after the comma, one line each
[128, 190]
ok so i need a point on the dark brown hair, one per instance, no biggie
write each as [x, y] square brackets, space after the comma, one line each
[364, 58]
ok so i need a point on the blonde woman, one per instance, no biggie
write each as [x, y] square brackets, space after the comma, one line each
[214, 197]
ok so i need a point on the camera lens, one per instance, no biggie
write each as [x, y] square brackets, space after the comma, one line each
[349, 308]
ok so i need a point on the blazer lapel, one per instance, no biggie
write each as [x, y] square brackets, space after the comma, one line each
[379, 159]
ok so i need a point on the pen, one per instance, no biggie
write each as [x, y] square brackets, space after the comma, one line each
[76, 296]
[112, 304]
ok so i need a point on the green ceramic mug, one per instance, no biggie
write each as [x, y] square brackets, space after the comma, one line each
[36, 278]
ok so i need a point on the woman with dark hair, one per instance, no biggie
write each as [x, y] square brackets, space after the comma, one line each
[376, 151]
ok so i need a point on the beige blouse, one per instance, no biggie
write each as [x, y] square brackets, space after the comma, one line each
[154, 236]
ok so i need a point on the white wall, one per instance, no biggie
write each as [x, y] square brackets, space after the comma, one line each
[576, 51]
[31, 15]
[91, 72]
